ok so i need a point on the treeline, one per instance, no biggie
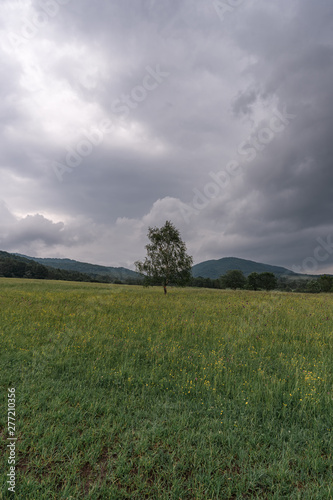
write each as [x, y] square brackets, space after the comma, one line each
[236, 279]
[15, 268]
[116, 281]
[20, 267]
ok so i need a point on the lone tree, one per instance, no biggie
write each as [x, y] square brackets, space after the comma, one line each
[167, 261]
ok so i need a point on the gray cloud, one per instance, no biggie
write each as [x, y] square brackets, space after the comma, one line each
[225, 78]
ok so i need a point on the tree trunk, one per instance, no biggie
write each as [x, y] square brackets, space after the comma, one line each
[165, 289]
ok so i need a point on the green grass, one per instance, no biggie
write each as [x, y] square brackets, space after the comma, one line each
[124, 393]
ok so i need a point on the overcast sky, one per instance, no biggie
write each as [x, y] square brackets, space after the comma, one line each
[119, 115]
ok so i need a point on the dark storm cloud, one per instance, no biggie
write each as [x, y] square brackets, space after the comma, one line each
[37, 228]
[225, 80]
[285, 201]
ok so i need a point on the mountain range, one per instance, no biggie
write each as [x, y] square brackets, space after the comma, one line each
[215, 268]
[209, 269]
[93, 270]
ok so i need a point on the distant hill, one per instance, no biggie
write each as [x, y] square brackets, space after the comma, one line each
[17, 266]
[209, 269]
[22, 266]
[93, 270]
[215, 268]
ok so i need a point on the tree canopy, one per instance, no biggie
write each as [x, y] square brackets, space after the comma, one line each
[167, 261]
[253, 281]
[233, 279]
[267, 281]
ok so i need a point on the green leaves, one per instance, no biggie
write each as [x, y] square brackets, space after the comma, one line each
[167, 261]
[233, 279]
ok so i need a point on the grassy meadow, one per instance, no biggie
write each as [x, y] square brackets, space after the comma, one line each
[124, 393]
